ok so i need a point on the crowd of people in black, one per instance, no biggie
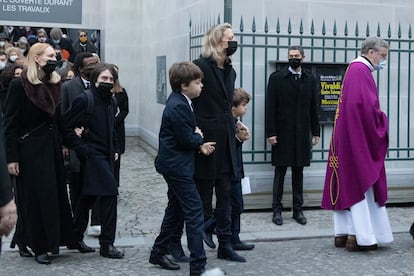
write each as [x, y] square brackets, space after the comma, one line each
[63, 124]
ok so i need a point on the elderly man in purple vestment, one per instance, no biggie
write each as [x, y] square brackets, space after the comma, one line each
[355, 184]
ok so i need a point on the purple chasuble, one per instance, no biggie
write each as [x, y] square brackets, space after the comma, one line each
[359, 142]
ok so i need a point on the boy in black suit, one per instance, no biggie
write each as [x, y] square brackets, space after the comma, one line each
[240, 100]
[179, 140]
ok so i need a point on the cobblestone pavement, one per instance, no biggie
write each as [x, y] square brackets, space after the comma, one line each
[290, 249]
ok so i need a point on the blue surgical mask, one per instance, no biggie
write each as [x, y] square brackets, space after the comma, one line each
[56, 41]
[381, 65]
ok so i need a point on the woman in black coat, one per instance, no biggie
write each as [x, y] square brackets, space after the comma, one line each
[34, 155]
[122, 111]
[213, 114]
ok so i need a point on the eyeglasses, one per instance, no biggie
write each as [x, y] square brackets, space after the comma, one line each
[83, 36]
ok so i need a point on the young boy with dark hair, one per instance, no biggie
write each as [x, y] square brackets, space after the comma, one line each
[240, 100]
[179, 140]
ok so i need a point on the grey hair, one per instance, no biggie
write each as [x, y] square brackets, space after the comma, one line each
[374, 43]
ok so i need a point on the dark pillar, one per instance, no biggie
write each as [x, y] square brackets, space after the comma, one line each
[228, 11]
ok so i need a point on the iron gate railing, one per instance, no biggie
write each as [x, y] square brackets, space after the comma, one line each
[259, 50]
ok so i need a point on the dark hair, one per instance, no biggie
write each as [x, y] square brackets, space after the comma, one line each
[8, 74]
[2, 53]
[100, 67]
[240, 96]
[297, 48]
[183, 73]
[64, 69]
[78, 63]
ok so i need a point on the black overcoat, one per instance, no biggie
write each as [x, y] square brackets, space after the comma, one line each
[213, 114]
[122, 112]
[5, 183]
[292, 114]
[97, 146]
[41, 192]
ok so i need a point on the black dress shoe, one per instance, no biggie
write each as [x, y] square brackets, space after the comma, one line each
[277, 218]
[340, 241]
[23, 251]
[176, 250]
[229, 254]
[208, 239]
[109, 251]
[242, 246]
[299, 217]
[164, 262]
[82, 247]
[178, 254]
[43, 259]
[368, 247]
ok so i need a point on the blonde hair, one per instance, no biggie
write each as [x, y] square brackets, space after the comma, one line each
[34, 73]
[212, 39]
[15, 50]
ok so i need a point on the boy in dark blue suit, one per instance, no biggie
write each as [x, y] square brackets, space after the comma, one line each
[240, 100]
[179, 140]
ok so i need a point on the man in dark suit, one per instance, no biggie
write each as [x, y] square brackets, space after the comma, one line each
[84, 64]
[8, 215]
[83, 45]
[179, 140]
[292, 116]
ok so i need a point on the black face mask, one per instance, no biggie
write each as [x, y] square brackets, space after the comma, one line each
[87, 73]
[105, 87]
[49, 67]
[232, 47]
[295, 62]
[58, 57]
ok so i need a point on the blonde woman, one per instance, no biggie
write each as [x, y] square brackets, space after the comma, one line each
[213, 115]
[34, 156]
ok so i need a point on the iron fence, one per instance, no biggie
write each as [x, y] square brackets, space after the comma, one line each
[260, 50]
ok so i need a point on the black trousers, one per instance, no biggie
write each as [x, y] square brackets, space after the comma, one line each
[222, 212]
[183, 203]
[297, 187]
[74, 190]
[107, 214]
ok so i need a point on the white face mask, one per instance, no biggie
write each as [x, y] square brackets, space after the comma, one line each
[2, 65]
[2, 43]
[13, 58]
[381, 65]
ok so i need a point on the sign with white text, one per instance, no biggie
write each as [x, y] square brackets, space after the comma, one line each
[50, 11]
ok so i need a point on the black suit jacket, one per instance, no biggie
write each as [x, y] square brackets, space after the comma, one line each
[70, 90]
[177, 141]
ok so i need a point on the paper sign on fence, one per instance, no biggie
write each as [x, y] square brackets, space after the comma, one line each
[245, 182]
